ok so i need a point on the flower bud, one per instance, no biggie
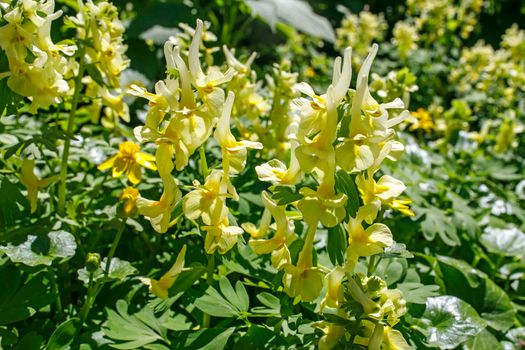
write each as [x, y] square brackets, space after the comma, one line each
[92, 262]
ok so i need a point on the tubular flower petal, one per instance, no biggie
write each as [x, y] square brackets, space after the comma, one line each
[32, 183]
[369, 241]
[221, 237]
[208, 201]
[159, 212]
[233, 151]
[284, 233]
[162, 286]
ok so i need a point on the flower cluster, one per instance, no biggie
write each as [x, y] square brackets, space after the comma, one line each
[379, 307]
[405, 38]
[442, 19]
[100, 25]
[321, 142]
[188, 108]
[359, 32]
[486, 77]
[38, 68]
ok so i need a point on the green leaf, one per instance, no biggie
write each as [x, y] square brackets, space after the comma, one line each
[397, 250]
[11, 203]
[242, 295]
[391, 270]
[284, 195]
[21, 298]
[118, 270]
[64, 334]
[509, 241]
[235, 302]
[464, 281]
[344, 183]
[295, 13]
[258, 335]
[219, 342]
[42, 250]
[436, 222]
[209, 339]
[133, 331]
[272, 303]
[336, 244]
[187, 278]
[8, 336]
[31, 340]
[237, 297]
[214, 304]
[450, 322]
[228, 291]
[417, 293]
[94, 73]
[483, 341]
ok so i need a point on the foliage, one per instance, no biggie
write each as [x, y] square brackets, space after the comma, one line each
[268, 178]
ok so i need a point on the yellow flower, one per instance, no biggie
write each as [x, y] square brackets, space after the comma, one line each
[383, 191]
[233, 152]
[207, 84]
[221, 237]
[394, 306]
[261, 231]
[334, 292]
[369, 241]
[129, 197]
[370, 308]
[128, 160]
[159, 212]
[284, 233]
[161, 287]
[423, 120]
[315, 206]
[393, 340]
[32, 182]
[401, 205]
[207, 201]
[304, 280]
[332, 334]
[276, 172]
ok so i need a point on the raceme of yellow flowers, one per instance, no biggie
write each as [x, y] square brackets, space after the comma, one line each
[38, 68]
[44, 71]
[192, 105]
[198, 103]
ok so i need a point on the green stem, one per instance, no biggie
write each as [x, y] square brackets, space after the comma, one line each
[371, 266]
[54, 285]
[69, 132]
[209, 280]
[87, 305]
[93, 290]
[114, 245]
[203, 163]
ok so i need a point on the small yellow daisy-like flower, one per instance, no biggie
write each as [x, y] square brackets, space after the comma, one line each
[423, 120]
[128, 197]
[128, 160]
